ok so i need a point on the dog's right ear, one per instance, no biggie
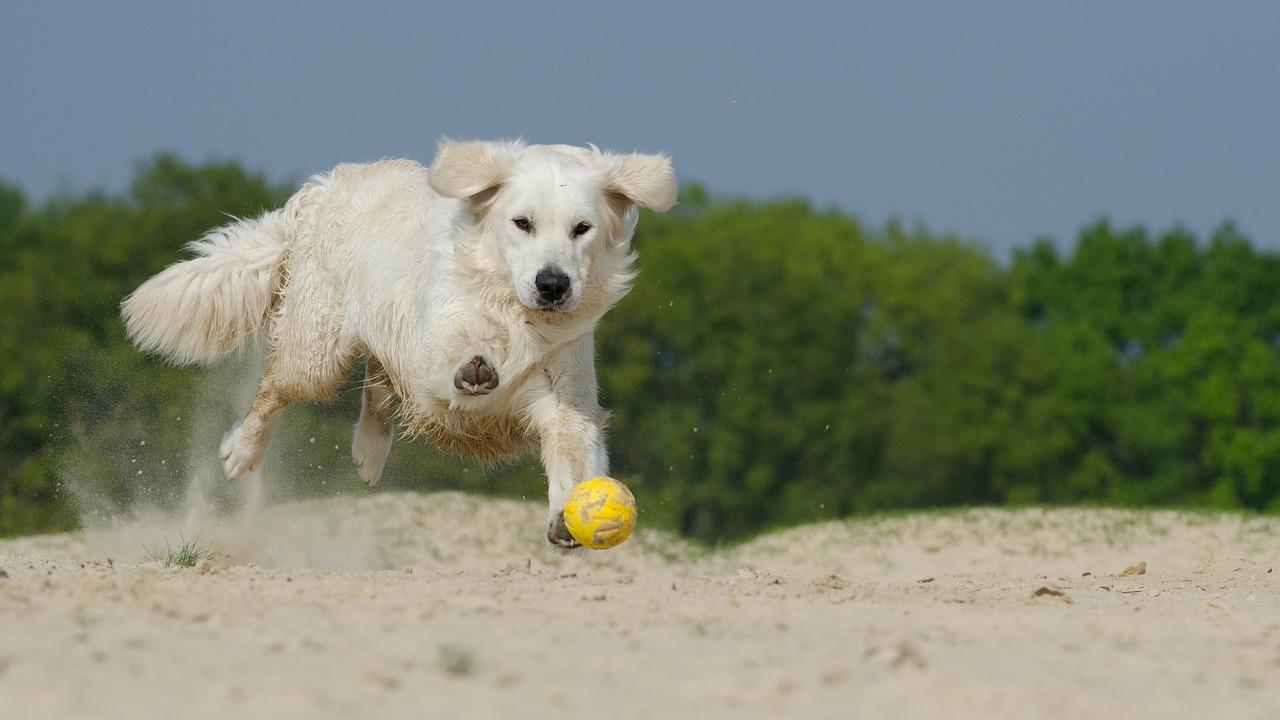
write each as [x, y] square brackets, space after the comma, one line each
[463, 170]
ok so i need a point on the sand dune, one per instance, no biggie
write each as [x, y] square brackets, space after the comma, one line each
[446, 605]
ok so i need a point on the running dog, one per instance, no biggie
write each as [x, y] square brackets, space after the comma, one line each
[470, 289]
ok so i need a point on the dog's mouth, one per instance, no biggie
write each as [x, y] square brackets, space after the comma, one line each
[552, 307]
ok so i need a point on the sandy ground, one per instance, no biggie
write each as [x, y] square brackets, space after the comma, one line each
[445, 605]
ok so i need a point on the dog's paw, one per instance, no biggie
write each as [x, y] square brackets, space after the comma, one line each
[238, 456]
[558, 534]
[476, 377]
[369, 450]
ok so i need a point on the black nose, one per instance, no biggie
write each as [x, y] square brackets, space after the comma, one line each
[552, 284]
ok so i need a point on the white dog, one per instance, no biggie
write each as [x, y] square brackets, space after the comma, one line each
[471, 289]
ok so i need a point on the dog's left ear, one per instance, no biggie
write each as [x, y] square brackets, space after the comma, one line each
[644, 180]
[463, 170]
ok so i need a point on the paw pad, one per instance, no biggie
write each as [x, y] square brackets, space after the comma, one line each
[476, 377]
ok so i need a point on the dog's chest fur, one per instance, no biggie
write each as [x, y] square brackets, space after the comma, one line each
[488, 436]
[496, 426]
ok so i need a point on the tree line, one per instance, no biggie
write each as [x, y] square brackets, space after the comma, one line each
[775, 364]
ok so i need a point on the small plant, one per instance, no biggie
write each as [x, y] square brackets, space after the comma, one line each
[187, 554]
[456, 660]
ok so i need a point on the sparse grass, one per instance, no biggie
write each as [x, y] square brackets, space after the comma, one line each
[457, 660]
[187, 554]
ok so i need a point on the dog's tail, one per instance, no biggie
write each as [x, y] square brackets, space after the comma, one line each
[197, 310]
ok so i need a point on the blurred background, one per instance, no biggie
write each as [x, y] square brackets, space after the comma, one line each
[926, 254]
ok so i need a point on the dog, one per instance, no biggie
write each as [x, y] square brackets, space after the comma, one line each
[471, 290]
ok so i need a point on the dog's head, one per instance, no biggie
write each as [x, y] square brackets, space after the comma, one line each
[556, 213]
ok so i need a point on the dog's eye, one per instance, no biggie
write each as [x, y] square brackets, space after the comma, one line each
[522, 223]
[581, 229]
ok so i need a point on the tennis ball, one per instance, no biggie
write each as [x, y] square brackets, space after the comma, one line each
[600, 513]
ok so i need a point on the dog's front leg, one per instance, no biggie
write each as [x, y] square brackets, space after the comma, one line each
[573, 450]
[570, 426]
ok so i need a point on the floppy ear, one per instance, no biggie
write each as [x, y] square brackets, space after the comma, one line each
[465, 169]
[644, 180]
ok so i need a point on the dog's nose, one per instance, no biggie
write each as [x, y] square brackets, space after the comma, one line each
[552, 284]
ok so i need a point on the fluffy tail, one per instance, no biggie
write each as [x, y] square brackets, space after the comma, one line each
[197, 310]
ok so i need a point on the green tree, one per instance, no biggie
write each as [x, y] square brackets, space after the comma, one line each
[775, 364]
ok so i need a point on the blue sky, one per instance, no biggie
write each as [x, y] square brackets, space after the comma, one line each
[999, 121]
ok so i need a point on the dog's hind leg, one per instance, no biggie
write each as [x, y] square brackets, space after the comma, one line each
[372, 441]
[292, 374]
[311, 355]
[244, 446]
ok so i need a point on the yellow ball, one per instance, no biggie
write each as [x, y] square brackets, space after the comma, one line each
[600, 513]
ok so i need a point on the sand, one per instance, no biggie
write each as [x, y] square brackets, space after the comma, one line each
[446, 605]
